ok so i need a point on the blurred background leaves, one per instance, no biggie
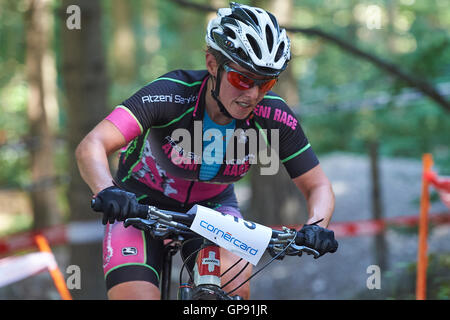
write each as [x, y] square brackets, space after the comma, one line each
[345, 102]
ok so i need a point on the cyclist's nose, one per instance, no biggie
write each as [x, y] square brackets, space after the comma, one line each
[253, 92]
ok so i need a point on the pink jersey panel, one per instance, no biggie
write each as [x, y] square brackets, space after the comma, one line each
[203, 190]
[127, 124]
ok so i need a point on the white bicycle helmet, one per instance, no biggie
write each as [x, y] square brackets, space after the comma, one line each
[250, 37]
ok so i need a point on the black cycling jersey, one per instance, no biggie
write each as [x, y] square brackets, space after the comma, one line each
[158, 163]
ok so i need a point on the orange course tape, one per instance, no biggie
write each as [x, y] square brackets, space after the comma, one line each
[56, 274]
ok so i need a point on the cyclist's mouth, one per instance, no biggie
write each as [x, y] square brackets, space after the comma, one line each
[244, 105]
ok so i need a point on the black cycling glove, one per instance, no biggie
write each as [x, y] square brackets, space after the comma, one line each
[315, 237]
[116, 204]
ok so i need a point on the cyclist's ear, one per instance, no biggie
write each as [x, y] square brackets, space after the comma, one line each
[211, 64]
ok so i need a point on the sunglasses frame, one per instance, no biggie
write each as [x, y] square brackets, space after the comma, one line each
[258, 82]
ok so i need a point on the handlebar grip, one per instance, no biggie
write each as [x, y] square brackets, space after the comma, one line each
[142, 211]
[96, 204]
[300, 239]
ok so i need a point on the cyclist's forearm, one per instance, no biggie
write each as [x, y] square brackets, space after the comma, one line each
[321, 205]
[319, 195]
[93, 165]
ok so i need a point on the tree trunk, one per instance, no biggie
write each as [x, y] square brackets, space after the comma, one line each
[380, 245]
[85, 80]
[275, 199]
[377, 210]
[41, 112]
[124, 42]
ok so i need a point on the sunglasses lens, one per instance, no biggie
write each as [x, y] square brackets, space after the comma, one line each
[266, 86]
[239, 81]
[242, 82]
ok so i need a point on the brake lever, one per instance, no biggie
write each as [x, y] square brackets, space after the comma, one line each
[142, 224]
[160, 232]
[307, 250]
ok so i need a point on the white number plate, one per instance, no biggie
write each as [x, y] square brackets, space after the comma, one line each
[246, 239]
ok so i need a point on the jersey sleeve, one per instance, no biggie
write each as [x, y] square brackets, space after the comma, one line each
[294, 150]
[138, 113]
[296, 153]
[155, 104]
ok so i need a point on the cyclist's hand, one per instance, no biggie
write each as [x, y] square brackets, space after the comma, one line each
[116, 204]
[315, 237]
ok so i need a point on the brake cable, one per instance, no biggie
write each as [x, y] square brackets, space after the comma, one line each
[237, 275]
[185, 261]
[274, 258]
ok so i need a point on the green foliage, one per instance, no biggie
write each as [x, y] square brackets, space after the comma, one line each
[13, 95]
[175, 45]
[402, 132]
[16, 223]
[331, 79]
[399, 283]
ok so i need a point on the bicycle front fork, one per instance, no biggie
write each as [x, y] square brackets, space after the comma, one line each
[206, 271]
[207, 265]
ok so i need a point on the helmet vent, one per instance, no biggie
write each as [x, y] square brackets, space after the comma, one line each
[229, 33]
[274, 21]
[255, 46]
[241, 54]
[269, 38]
[279, 52]
[252, 16]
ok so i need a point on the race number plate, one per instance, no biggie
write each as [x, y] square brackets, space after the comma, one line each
[246, 239]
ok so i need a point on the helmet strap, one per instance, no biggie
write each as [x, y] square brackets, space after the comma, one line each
[215, 93]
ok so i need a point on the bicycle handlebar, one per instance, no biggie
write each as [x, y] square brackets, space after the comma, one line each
[163, 224]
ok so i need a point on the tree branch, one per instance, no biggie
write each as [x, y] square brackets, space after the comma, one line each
[422, 85]
[391, 68]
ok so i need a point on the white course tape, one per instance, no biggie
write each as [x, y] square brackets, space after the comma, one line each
[14, 269]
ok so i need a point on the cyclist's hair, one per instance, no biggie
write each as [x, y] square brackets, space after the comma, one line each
[219, 56]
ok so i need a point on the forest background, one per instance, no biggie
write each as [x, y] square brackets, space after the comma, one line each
[367, 78]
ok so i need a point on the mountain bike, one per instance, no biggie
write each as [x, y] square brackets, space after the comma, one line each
[205, 279]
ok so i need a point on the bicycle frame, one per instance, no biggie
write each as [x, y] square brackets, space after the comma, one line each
[207, 265]
[206, 274]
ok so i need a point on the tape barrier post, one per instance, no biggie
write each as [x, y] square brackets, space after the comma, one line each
[55, 273]
[422, 258]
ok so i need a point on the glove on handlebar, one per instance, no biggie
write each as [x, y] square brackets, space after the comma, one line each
[320, 239]
[117, 204]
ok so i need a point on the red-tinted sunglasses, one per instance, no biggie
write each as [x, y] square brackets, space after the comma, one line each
[244, 82]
